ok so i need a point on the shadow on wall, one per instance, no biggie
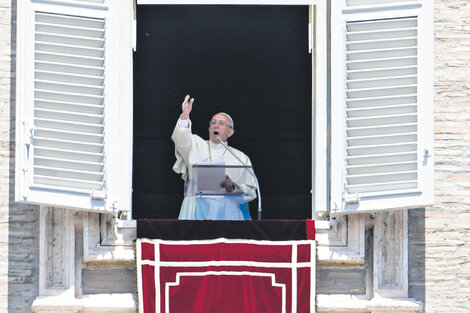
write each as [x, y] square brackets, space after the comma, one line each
[416, 254]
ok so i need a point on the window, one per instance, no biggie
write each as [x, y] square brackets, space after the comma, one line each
[251, 61]
[74, 104]
[73, 109]
[381, 104]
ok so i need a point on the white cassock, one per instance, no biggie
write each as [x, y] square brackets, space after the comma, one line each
[191, 149]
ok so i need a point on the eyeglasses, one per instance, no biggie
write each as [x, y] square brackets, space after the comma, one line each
[220, 123]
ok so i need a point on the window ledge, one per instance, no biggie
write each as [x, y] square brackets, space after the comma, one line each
[351, 304]
[120, 302]
[322, 225]
[117, 254]
[127, 224]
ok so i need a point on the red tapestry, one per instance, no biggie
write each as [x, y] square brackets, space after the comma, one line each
[226, 276]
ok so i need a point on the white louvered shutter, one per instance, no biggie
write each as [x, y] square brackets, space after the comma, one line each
[65, 93]
[382, 103]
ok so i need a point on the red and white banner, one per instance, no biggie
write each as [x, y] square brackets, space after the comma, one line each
[226, 276]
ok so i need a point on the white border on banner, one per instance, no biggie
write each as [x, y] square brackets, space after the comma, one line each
[313, 273]
[138, 256]
[157, 266]
[294, 277]
[224, 263]
[224, 273]
[293, 265]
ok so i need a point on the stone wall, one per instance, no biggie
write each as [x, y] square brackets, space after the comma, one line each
[18, 223]
[442, 233]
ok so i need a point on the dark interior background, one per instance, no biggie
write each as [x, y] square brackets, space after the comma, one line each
[249, 61]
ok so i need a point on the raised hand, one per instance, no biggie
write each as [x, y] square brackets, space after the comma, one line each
[186, 107]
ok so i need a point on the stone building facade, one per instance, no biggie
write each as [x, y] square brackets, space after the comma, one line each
[90, 266]
[439, 234]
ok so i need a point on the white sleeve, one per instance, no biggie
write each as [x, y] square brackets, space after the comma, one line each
[183, 123]
[250, 191]
[181, 136]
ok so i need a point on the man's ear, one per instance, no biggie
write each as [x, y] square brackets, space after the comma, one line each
[231, 132]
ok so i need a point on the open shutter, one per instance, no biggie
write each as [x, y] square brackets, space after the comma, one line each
[382, 103]
[66, 89]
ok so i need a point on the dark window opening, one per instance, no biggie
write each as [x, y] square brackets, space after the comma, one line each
[249, 61]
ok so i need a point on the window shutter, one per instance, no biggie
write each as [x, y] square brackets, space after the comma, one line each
[65, 89]
[382, 102]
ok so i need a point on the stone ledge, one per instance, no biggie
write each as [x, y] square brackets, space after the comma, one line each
[351, 304]
[105, 254]
[109, 303]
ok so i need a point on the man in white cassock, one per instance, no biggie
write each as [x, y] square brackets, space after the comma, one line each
[191, 149]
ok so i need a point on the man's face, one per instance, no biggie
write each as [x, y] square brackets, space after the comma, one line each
[220, 126]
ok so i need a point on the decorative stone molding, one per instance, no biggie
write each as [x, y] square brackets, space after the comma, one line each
[117, 232]
[70, 238]
[109, 303]
[350, 304]
[56, 251]
[344, 241]
[391, 254]
[106, 239]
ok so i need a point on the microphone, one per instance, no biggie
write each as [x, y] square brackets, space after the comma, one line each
[248, 169]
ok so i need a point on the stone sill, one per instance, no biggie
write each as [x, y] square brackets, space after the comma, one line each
[127, 303]
[110, 255]
[127, 224]
[117, 303]
[322, 225]
[351, 304]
